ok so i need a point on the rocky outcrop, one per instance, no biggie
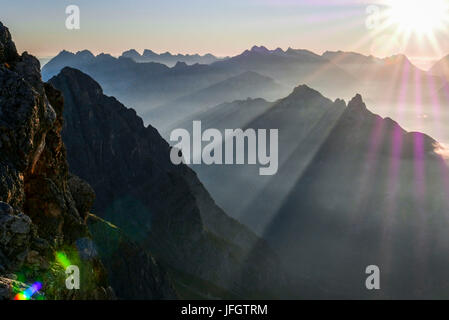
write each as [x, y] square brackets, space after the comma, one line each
[158, 205]
[38, 214]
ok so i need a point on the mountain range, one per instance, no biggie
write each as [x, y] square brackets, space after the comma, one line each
[169, 59]
[86, 178]
[393, 86]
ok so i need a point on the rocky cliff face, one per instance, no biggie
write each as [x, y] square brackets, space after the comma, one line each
[162, 207]
[38, 213]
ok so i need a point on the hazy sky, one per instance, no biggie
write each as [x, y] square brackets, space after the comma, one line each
[221, 27]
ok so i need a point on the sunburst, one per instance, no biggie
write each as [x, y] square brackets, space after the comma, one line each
[418, 16]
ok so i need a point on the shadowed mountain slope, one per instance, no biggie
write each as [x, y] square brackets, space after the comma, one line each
[373, 194]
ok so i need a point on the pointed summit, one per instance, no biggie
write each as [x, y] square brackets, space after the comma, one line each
[80, 80]
[357, 103]
[180, 65]
[305, 92]
[278, 51]
[260, 49]
[148, 53]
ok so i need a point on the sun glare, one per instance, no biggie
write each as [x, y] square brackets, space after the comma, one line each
[420, 16]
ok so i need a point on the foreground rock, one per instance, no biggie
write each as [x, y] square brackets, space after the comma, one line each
[38, 213]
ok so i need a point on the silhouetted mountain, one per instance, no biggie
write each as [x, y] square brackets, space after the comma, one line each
[169, 59]
[162, 207]
[352, 190]
[142, 85]
[394, 87]
[394, 80]
[441, 68]
[372, 194]
[292, 67]
[146, 86]
[66, 58]
[303, 119]
[246, 85]
[350, 58]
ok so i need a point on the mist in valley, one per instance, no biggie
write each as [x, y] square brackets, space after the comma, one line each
[361, 177]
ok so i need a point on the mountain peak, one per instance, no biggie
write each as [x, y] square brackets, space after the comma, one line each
[85, 54]
[260, 49]
[64, 53]
[180, 65]
[131, 53]
[398, 59]
[357, 103]
[148, 53]
[279, 51]
[82, 81]
[305, 92]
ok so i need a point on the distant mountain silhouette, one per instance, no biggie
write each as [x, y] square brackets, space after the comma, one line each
[170, 59]
[291, 67]
[393, 80]
[146, 86]
[246, 85]
[441, 68]
[393, 86]
[141, 85]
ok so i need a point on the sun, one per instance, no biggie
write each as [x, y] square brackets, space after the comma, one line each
[419, 16]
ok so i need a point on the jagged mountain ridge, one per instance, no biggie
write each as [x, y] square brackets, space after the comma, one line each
[159, 205]
[149, 87]
[146, 86]
[170, 59]
[141, 85]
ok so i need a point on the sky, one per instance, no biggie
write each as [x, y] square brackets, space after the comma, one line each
[220, 27]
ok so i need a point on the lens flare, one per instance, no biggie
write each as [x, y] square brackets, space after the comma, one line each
[62, 259]
[28, 293]
[418, 15]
